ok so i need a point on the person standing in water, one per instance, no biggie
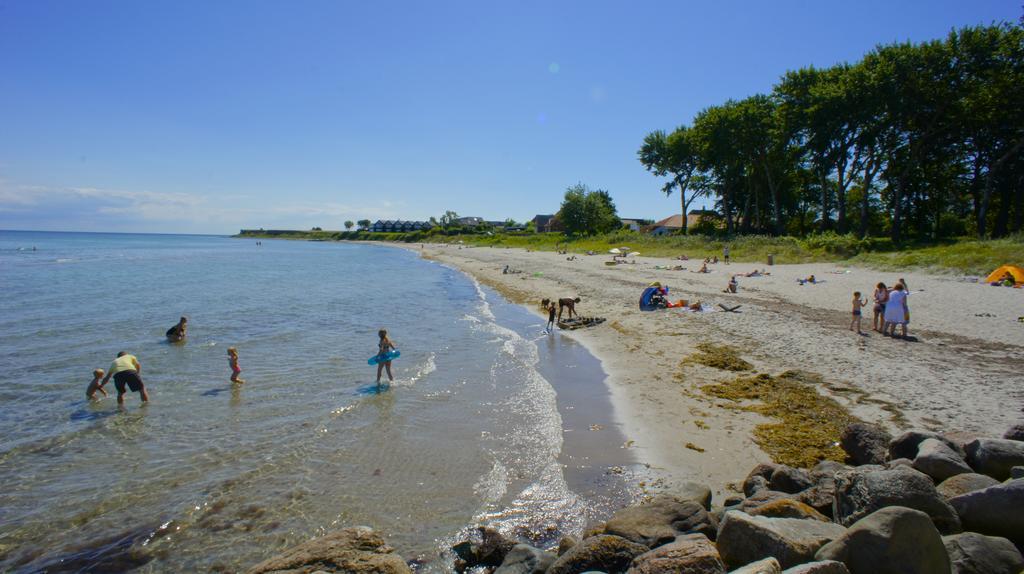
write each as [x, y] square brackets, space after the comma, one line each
[233, 363]
[551, 318]
[384, 346]
[126, 370]
[176, 334]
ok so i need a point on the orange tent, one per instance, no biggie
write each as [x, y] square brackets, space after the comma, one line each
[1017, 272]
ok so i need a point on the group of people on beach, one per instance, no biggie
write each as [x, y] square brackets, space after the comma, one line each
[890, 310]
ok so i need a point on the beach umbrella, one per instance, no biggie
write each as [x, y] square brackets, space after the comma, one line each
[624, 248]
[633, 253]
[614, 251]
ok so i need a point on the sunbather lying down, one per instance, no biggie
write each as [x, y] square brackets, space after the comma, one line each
[810, 279]
[508, 270]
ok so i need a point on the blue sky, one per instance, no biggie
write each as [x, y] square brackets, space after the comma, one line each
[206, 117]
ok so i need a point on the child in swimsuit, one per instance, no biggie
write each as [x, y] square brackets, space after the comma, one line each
[384, 346]
[551, 317]
[858, 304]
[90, 393]
[233, 363]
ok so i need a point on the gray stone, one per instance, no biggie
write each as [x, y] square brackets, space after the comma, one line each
[660, 521]
[1016, 432]
[894, 540]
[963, 483]
[764, 566]
[790, 480]
[905, 445]
[823, 567]
[743, 538]
[758, 478]
[973, 553]
[355, 550]
[900, 462]
[787, 508]
[606, 553]
[523, 559]
[995, 456]
[733, 500]
[1017, 472]
[489, 551]
[827, 468]
[692, 491]
[865, 443]
[938, 461]
[862, 492]
[565, 543]
[997, 510]
[688, 554]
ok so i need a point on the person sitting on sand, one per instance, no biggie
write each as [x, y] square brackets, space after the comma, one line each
[858, 305]
[1007, 280]
[566, 302]
[714, 259]
[126, 370]
[703, 268]
[94, 386]
[683, 257]
[732, 285]
[896, 311]
[881, 296]
[176, 334]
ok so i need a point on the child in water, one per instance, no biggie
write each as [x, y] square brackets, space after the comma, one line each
[90, 393]
[858, 305]
[233, 363]
[384, 346]
[551, 318]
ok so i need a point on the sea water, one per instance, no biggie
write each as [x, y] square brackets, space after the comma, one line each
[215, 476]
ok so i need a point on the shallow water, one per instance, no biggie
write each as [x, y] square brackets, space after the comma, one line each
[215, 476]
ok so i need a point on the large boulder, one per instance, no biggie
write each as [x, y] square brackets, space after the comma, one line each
[689, 554]
[893, 540]
[355, 550]
[1016, 432]
[823, 567]
[489, 551]
[938, 461]
[865, 443]
[524, 559]
[743, 539]
[604, 553]
[764, 566]
[862, 492]
[790, 480]
[963, 483]
[905, 445]
[758, 477]
[997, 510]
[787, 508]
[973, 553]
[660, 521]
[995, 456]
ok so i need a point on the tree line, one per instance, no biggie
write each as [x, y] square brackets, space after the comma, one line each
[913, 141]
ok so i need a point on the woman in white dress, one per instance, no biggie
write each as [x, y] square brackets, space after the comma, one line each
[896, 311]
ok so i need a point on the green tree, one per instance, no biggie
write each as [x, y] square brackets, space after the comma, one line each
[676, 156]
[364, 223]
[586, 212]
[448, 219]
[349, 224]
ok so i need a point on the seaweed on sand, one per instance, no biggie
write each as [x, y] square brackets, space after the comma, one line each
[720, 357]
[808, 424]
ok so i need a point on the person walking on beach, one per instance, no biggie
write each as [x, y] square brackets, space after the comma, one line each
[384, 346]
[551, 318]
[233, 363]
[858, 306]
[896, 311]
[569, 303]
[176, 334]
[126, 370]
[880, 296]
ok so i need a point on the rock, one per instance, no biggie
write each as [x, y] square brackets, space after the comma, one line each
[995, 456]
[605, 553]
[790, 480]
[964, 483]
[905, 445]
[490, 551]
[660, 521]
[523, 559]
[820, 497]
[764, 471]
[565, 543]
[900, 462]
[1016, 432]
[692, 491]
[765, 566]
[733, 500]
[823, 567]
[354, 550]
[893, 540]
[689, 554]
[939, 461]
[1017, 472]
[862, 492]
[743, 538]
[865, 443]
[973, 553]
[788, 508]
[827, 468]
[996, 510]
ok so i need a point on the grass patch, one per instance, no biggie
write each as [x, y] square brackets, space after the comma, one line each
[721, 357]
[809, 424]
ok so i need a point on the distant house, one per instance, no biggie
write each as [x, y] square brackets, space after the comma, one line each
[546, 223]
[634, 224]
[695, 216]
[674, 223]
[469, 221]
[399, 226]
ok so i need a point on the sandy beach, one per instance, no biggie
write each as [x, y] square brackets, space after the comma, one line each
[961, 375]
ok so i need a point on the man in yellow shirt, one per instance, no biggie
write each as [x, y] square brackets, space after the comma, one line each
[126, 371]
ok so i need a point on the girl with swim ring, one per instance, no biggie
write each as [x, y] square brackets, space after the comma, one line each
[384, 346]
[233, 363]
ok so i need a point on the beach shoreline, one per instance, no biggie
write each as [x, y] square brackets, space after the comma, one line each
[955, 378]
